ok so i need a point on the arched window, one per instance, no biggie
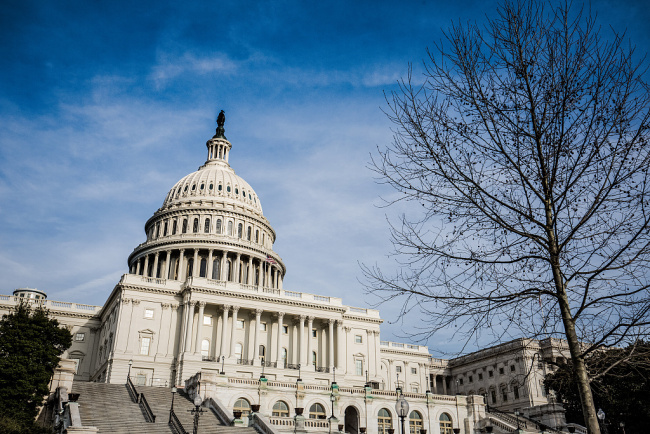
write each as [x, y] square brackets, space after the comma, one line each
[230, 228]
[238, 351]
[218, 226]
[157, 230]
[248, 233]
[257, 236]
[515, 390]
[446, 424]
[220, 186]
[204, 268]
[215, 269]
[174, 227]
[206, 228]
[384, 421]
[205, 348]
[284, 357]
[185, 226]
[317, 411]
[229, 270]
[242, 405]
[165, 230]
[280, 409]
[240, 230]
[313, 358]
[228, 189]
[190, 266]
[415, 422]
[262, 354]
[195, 227]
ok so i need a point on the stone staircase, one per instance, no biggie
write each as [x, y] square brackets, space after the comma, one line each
[110, 408]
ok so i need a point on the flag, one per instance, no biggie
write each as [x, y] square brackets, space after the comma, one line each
[270, 260]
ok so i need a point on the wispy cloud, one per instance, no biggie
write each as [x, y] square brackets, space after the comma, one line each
[169, 67]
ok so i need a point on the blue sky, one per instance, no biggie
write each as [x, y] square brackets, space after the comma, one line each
[105, 105]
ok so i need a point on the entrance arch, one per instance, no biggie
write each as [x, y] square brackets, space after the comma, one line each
[351, 420]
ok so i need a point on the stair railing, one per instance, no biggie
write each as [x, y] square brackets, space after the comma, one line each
[141, 401]
[175, 424]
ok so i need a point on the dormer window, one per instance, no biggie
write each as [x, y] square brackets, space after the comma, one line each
[228, 189]
[211, 187]
[220, 187]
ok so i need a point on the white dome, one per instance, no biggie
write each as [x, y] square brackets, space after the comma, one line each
[214, 181]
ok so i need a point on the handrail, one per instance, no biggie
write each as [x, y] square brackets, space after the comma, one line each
[175, 424]
[144, 405]
[131, 388]
[139, 399]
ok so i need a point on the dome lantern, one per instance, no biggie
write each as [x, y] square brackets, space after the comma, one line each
[218, 146]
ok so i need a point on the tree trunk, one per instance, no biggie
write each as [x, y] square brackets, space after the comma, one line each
[580, 372]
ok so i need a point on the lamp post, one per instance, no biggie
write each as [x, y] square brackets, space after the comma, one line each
[334, 373]
[402, 410]
[299, 379]
[517, 416]
[223, 359]
[197, 412]
[332, 399]
[130, 364]
[428, 412]
[174, 390]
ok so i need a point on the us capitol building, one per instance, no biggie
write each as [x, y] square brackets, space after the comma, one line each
[203, 307]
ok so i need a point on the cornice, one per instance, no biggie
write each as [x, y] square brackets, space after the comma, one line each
[96, 315]
[360, 318]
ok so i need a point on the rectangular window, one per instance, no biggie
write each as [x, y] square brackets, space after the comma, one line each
[358, 364]
[470, 378]
[144, 346]
[512, 368]
[414, 389]
[398, 369]
[515, 391]
[207, 320]
[358, 339]
[504, 394]
[240, 323]
[313, 333]
[493, 395]
[79, 337]
[148, 313]
[263, 326]
[501, 371]
[490, 374]
[480, 376]
[460, 381]
[285, 329]
[414, 370]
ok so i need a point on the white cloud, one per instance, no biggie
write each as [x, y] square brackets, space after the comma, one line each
[169, 67]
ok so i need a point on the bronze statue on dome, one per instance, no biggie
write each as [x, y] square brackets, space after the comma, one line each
[221, 132]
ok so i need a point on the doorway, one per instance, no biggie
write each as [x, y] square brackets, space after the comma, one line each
[351, 420]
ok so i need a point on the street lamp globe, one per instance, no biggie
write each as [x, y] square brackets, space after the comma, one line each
[601, 414]
[198, 400]
[402, 407]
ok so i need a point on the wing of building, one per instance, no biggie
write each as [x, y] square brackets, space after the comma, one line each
[203, 307]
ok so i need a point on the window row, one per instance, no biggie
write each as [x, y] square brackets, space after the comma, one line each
[189, 225]
[187, 189]
[385, 422]
[470, 377]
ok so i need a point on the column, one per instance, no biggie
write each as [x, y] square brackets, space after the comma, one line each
[190, 318]
[224, 260]
[259, 274]
[330, 338]
[173, 328]
[280, 282]
[249, 279]
[155, 265]
[256, 342]
[181, 266]
[347, 345]
[310, 325]
[279, 351]
[224, 329]
[371, 355]
[168, 262]
[196, 266]
[208, 272]
[377, 351]
[199, 328]
[294, 350]
[237, 274]
[339, 345]
[233, 336]
[137, 266]
[301, 357]
[146, 266]
[444, 385]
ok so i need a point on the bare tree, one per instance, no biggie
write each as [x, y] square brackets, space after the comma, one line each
[526, 145]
